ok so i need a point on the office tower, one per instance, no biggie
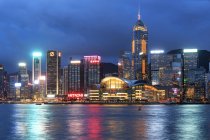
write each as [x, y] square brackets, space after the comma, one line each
[36, 66]
[53, 73]
[42, 87]
[12, 89]
[24, 80]
[74, 74]
[159, 60]
[209, 67]
[124, 65]
[139, 51]
[36, 73]
[3, 83]
[92, 70]
[190, 57]
[65, 80]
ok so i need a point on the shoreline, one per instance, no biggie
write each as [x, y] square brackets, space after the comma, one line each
[100, 103]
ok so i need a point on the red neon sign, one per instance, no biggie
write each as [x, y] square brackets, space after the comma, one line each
[75, 95]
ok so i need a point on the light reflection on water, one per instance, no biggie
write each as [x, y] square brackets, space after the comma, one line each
[153, 122]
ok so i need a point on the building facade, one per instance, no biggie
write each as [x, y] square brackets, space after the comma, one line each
[75, 76]
[25, 91]
[3, 83]
[53, 73]
[92, 70]
[124, 65]
[139, 51]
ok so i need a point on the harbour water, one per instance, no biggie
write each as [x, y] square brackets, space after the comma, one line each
[96, 122]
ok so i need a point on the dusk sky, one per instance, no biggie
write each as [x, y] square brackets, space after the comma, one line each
[102, 27]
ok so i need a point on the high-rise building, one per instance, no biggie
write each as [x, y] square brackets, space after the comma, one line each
[124, 65]
[159, 60]
[36, 73]
[42, 87]
[75, 76]
[3, 83]
[24, 80]
[65, 80]
[92, 70]
[139, 51]
[190, 57]
[12, 89]
[36, 66]
[53, 73]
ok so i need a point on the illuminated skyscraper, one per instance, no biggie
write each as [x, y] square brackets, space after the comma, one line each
[53, 73]
[92, 70]
[36, 66]
[3, 83]
[75, 75]
[65, 80]
[24, 80]
[124, 65]
[12, 89]
[159, 60]
[190, 59]
[139, 51]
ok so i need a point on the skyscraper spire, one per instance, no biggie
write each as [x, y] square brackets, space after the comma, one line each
[139, 15]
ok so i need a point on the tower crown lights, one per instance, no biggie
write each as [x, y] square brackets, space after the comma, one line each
[22, 64]
[190, 50]
[156, 51]
[37, 54]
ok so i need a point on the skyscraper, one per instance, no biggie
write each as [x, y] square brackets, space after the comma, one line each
[124, 65]
[74, 74]
[36, 66]
[159, 60]
[3, 83]
[92, 70]
[190, 59]
[12, 89]
[139, 51]
[24, 80]
[65, 80]
[53, 73]
[36, 74]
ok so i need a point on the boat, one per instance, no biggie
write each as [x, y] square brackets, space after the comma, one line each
[139, 109]
[38, 103]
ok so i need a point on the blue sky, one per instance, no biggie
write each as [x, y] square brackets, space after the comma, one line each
[103, 27]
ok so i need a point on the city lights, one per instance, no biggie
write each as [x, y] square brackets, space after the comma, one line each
[190, 50]
[157, 51]
[42, 78]
[50, 96]
[36, 82]
[141, 53]
[17, 85]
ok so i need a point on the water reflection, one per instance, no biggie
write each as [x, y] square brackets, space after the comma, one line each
[31, 122]
[104, 122]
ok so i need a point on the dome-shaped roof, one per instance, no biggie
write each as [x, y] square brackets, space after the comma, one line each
[139, 82]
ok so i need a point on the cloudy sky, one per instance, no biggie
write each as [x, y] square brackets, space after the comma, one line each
[103, 27]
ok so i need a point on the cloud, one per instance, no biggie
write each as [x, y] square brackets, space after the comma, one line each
[83, 27]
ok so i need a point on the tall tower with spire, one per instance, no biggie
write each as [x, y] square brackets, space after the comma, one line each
[139, 51]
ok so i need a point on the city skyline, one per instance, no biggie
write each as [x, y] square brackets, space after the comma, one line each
[77, 30]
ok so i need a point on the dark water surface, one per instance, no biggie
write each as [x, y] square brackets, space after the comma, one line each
[60, 122]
